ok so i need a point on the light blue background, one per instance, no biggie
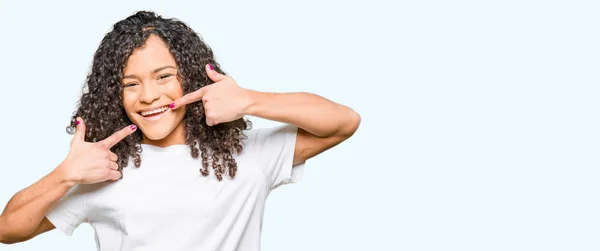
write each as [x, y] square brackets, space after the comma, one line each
[480, 125]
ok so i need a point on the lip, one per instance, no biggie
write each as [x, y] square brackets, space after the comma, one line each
[152, 108]
[155, 117]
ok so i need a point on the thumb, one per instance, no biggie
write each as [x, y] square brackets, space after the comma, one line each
[214, 75]
[114, 175]
[79, 130]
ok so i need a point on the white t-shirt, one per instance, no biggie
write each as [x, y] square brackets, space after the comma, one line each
[166, 204]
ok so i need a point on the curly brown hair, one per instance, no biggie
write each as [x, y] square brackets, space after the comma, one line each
[101, 104]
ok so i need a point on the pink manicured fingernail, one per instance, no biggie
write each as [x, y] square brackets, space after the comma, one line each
[77, 122]
[133, 127]
[172, 105]
[211, 68]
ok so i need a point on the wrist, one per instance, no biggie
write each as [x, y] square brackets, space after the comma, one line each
[62, 175]
[254, 101]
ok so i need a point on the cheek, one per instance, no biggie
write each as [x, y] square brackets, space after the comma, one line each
[174, 90]
[129, 99]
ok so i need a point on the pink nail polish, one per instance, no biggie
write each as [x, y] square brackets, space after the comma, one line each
[133, 127]
[211, 68]
[172, 105]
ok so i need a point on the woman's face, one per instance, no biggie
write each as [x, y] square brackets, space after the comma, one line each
[150, 85]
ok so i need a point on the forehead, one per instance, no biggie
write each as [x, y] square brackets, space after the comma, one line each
[153, 54]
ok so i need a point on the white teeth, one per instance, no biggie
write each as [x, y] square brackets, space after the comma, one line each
[157, 110]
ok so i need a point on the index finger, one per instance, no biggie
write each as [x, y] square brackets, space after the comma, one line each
[118, 136]
[189, 98]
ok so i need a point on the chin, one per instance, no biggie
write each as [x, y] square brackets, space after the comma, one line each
[164, 128]
[155, 136]
[156, 133]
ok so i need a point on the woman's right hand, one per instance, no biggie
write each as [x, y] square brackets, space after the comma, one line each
[92, 162]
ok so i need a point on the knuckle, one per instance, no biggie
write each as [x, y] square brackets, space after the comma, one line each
[193, 96]
[101, 145]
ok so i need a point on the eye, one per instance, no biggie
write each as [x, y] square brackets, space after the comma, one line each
[164, 76]
[129, 84]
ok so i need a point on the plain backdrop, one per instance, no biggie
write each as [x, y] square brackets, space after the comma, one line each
[480, 126]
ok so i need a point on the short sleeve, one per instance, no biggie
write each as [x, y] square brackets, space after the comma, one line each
[70, 211]
[274, 148]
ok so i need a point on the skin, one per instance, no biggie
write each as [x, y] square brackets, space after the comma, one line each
[322, 124]
[24, 216]
[150, 81]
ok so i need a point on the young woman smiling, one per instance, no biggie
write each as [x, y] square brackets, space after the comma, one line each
[162, 157]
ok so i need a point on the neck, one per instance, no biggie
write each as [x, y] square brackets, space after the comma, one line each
[176, 137]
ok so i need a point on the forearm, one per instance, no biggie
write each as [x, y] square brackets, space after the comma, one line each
[41, 187]
[315, 114]
[28, 207]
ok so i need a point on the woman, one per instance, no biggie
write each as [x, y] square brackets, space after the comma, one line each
[183, 171]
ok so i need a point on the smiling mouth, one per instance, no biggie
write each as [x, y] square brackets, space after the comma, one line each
[155, 112]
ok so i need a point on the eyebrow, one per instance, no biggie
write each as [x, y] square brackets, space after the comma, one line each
[153, 71]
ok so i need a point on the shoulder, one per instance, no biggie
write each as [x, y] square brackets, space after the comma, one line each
[265, 133]
[269, 137]
[87, 191]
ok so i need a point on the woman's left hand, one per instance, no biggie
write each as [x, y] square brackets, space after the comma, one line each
[223, 101]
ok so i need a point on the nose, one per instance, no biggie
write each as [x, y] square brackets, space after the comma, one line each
[150, 92]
